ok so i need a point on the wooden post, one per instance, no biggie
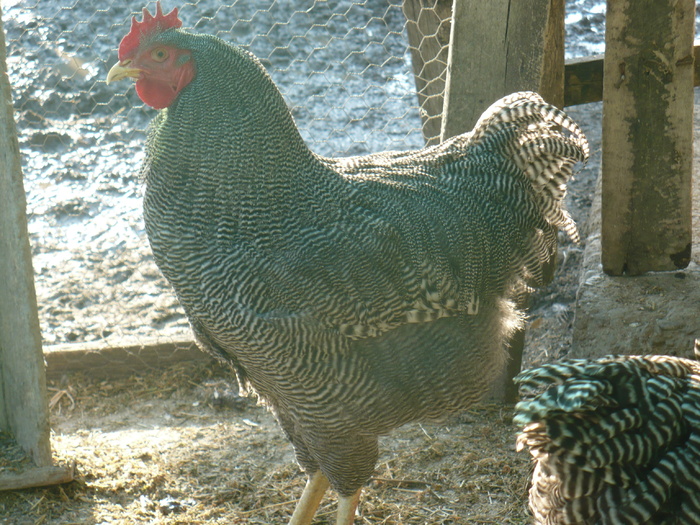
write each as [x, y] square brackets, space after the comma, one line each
[496, 48]
[647, 136]
[428, 27]
[499, 47]
[24, 411]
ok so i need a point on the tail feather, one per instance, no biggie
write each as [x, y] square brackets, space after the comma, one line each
[543, 142]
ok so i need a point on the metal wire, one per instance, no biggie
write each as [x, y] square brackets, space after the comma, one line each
[345, 68]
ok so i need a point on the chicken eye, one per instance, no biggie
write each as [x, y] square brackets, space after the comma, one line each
[159, 54]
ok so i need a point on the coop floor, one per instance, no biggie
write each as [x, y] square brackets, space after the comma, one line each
[180, 447]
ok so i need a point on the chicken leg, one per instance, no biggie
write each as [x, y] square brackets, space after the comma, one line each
[347, 505]
[315, 488]
[310, 499]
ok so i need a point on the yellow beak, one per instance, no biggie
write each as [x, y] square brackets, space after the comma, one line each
[122, 70]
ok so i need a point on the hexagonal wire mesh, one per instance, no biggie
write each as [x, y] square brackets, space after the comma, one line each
[344, 66]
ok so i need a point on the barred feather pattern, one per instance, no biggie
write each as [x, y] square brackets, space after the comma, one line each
[616, 441]
[353, 295]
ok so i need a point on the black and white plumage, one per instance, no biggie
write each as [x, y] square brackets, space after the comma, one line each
[616, 440]
[353, 295]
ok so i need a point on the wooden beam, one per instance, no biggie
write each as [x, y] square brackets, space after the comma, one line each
[24, 409]
[428, 36]
[647, 136]
[428, 27]
[583, 84]
[583, 80]
[35, 477]
[120, 361]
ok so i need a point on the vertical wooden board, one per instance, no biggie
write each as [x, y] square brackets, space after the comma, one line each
[497, 48]
[4, 422]
[476, 63]
[428, 28]
[552, 78]
[22, 365]
[535, 49]
[647, 136]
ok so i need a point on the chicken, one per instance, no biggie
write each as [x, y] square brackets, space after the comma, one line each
[615, 440]
[352, 295]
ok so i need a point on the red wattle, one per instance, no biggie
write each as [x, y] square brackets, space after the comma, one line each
[155, 93]
[159, 93]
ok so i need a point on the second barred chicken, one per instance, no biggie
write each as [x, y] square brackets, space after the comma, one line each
[616, 440]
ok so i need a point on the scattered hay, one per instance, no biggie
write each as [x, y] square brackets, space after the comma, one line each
[180, 447]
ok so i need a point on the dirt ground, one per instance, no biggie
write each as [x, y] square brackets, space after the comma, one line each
[181, 447]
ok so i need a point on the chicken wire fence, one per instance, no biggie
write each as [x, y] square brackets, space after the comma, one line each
[359, 76]
[345, 68]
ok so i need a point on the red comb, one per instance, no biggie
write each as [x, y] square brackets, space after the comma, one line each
[150, 24]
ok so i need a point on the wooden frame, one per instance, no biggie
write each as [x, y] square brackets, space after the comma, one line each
[23, 401]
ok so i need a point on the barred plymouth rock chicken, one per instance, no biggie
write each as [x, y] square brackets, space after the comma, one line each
[616, 440]
[353, 295]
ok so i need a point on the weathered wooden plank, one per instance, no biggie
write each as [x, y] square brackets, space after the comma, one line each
[549, 52]
[476, 62]
[583, 80]
[25, 410]
[647, 136]
[499, 47]
[4, 423]
[35, 477]
[428, 27]
[120, 361]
